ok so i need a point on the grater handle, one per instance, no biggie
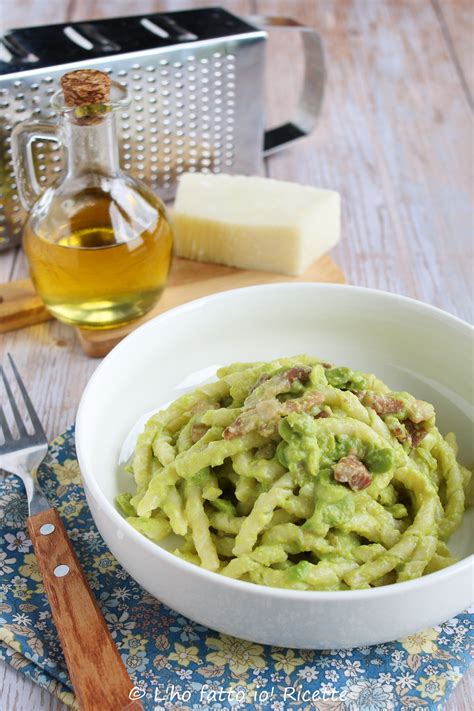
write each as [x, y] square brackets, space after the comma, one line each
[311, 99]
[23, 137]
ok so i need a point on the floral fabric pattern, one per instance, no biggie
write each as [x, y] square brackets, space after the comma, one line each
[177, 664]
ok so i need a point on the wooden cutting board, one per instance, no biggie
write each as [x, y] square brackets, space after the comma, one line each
[20, 306]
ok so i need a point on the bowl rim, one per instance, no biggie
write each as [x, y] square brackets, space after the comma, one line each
[112, 513]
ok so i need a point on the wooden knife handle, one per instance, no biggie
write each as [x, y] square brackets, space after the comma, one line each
[98, 675]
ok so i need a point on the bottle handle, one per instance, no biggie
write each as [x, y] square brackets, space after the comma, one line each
[23, 137]
[311, 99]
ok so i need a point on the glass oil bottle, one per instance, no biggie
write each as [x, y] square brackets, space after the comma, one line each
[98, 242]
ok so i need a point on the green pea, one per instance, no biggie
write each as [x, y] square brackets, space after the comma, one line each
[358, 381]
[346, 379]
[123, 502]
[281, 454]
[299, 572]
[297, 387]
[379, 461]
[346, 443]
[285, 430]
[337, 377]
[200, 477]
[224, 505]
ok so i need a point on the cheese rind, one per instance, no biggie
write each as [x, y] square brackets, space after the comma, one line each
[254, 223]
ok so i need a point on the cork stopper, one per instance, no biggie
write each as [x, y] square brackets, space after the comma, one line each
[88, 92]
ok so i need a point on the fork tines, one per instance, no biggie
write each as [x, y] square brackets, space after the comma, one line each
[38, 432]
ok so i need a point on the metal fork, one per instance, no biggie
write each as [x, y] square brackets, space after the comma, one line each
[97, 672]
[24, 455]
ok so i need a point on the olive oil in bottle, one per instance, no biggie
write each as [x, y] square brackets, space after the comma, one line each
[98, 242]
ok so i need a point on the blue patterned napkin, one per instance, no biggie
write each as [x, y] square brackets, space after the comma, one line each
[177, 664]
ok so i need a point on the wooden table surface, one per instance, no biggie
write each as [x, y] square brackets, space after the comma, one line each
[395, 138]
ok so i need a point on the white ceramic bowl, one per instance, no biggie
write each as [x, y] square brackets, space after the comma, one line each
[411, 346]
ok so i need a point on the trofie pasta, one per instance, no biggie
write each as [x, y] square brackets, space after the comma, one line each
[298, 474]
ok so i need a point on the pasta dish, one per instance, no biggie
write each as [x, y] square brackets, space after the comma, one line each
[299, 474]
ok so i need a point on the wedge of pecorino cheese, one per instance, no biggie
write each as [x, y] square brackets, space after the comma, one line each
[253, 222]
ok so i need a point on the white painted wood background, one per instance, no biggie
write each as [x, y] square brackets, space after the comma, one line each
[395, 138]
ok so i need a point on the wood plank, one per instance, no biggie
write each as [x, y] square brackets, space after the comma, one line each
[19, 693]
[457, 24]
[7, 264]
[93, 9]
[23, 13]
[406, 195]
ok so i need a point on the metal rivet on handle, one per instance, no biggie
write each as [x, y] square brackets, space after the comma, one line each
[61, 570]
[47, 528]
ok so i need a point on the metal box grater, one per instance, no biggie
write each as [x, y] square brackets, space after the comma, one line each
[196, 82]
